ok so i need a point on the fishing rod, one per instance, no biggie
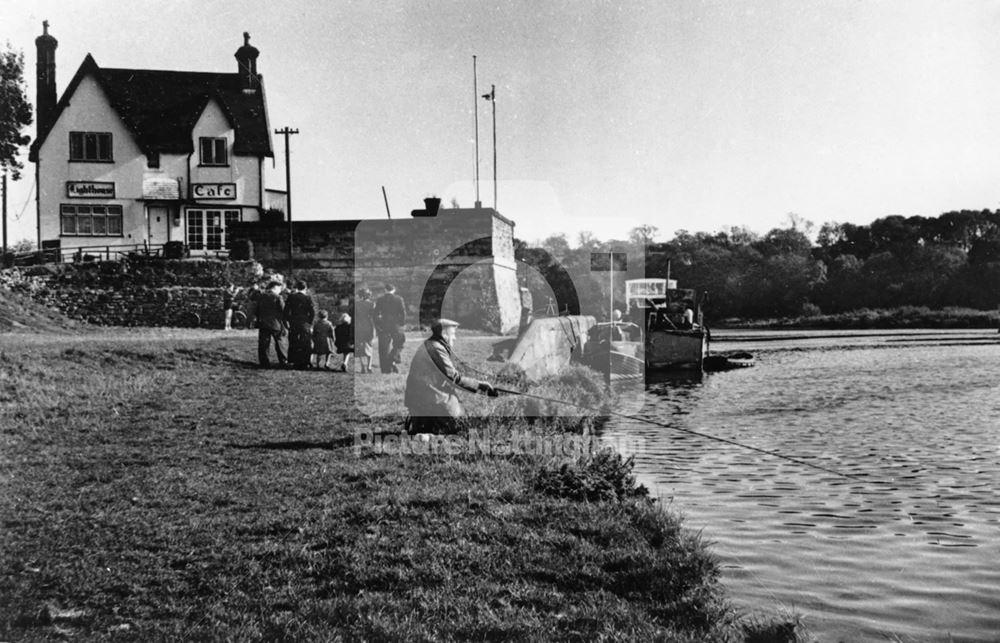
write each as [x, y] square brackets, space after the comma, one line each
[682, 430]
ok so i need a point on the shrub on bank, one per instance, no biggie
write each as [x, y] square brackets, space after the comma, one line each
[603, 476]
[912, 317]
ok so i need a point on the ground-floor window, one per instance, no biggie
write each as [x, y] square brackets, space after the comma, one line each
[206, 229]
[90, 220]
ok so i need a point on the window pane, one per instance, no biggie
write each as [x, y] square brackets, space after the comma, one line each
[213, 230]
[83, 224]
[115, 220]
[90, 147]
[76, 145]
[206, 150]
[100, 226]
[230, 217]
[195, 224]
[220, 151]
[104, 147]
[69, 224]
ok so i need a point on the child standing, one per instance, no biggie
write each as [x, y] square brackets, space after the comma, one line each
[322, 340]
[344, 340]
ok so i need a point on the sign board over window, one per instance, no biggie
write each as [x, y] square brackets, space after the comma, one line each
[224, 191]
[90, 190]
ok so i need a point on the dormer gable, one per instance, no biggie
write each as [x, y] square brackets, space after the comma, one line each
[160, 108]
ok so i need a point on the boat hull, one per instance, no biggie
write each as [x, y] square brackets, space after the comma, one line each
[676, 349]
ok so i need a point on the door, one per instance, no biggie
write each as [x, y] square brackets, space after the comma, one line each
[157, 225]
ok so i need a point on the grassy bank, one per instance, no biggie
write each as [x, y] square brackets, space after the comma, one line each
[880, 318]
[159, 486]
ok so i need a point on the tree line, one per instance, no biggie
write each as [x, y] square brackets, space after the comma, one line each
[895, 261]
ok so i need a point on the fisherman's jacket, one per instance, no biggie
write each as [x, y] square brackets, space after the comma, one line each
[432, 381]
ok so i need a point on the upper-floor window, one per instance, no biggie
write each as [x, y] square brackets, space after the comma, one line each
[213, 151]
[90, 146]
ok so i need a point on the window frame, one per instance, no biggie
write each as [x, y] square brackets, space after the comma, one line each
[212, 229]
[108, 214]
[100, 145]
[215, 142]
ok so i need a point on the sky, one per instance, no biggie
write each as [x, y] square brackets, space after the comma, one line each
[680, 114]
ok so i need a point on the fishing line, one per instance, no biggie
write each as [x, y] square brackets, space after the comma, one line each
[682, 430]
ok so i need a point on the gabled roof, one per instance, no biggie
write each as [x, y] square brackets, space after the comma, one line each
[161, 108]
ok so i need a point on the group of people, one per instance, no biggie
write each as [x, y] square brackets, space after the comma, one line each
[433, 379]
[312, 338]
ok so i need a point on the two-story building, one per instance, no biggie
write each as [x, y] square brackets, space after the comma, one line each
[138, 157]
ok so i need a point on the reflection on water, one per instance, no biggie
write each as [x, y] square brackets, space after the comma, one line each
[910, 546]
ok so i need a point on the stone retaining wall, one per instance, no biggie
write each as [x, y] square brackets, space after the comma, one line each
[143, 292]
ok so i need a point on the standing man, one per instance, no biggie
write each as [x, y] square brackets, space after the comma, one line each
[253, 296]
[299, 314]
[390, 315]
[364, 329]
[270, 325]
[433, 380]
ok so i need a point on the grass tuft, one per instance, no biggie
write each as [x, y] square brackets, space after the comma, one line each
[156, 488]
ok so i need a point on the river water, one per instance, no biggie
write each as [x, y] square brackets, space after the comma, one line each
[908, 548]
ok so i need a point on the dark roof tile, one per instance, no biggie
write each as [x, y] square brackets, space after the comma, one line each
[161, 108]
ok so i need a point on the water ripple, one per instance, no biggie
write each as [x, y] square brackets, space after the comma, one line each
[911, 549]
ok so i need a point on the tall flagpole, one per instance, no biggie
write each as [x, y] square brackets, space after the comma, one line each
[492, 97]
[475, 104]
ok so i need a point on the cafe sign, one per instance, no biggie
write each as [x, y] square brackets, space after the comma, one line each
[222, 191]
[90, 190]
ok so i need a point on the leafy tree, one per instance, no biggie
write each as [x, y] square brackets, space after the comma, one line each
[15, 110]
[830, 234]
[586, 239]
[799, 223]
[557, 245]
[641, 236]
[787, 241]
[742, 235]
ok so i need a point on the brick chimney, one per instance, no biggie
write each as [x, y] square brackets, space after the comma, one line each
[246, 60]
[45, 96]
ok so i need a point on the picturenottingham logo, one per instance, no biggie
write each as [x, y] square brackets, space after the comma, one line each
[494, 443]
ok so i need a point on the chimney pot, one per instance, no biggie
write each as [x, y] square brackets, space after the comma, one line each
[45, 76]
[246, 61]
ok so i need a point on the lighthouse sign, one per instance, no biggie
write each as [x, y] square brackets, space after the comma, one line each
[90, 190]
[222, 191]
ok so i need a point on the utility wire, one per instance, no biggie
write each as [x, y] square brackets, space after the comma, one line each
[27, 199]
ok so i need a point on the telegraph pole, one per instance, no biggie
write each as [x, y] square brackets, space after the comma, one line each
[288, 190]
[3, 255]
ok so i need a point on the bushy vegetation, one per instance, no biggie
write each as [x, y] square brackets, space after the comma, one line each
[952, 260]
[604, 476]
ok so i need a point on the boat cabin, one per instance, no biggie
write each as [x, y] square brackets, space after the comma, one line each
[659, 303]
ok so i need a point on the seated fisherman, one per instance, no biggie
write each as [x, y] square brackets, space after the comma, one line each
[432, 383]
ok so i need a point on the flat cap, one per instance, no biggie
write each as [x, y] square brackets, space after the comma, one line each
[443, 323]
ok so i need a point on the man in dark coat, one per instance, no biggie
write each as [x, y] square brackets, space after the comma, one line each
[253, 296]
[390, 315]
[433, 381]
[299, 314]
[270, 325]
